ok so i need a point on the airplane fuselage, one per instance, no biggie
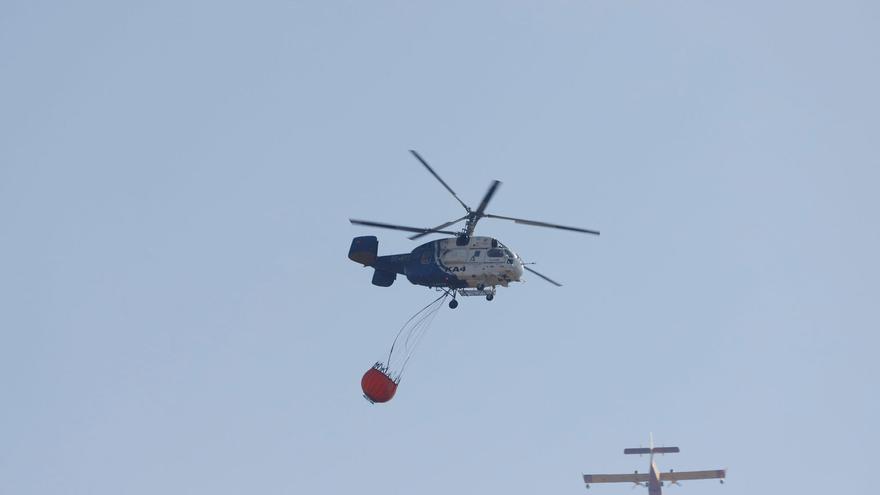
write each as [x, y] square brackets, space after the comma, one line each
[655, 487]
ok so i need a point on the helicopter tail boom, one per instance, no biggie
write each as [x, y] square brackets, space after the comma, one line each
[365, 249]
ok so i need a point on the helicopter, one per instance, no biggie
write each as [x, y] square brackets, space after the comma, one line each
[464, 265]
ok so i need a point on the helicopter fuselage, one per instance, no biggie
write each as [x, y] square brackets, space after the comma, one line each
[448, 263]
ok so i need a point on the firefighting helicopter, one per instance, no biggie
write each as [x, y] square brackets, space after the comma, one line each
[464, 265]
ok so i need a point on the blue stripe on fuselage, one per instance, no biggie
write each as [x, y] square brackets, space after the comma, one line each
[424, 268]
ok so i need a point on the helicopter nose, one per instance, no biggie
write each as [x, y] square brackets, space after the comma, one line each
[517, 269]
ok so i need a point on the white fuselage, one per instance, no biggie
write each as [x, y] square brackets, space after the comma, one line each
[484, 262]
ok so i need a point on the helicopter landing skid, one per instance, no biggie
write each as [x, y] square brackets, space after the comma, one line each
[488, 293]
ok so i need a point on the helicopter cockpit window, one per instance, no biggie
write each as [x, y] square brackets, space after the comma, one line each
[495, 253]
[508, 253]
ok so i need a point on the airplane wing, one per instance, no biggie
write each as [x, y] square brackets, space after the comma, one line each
[693, 475]
[616, 478]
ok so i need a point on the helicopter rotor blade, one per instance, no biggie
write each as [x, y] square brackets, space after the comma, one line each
[480, 211]
[425, 163]
[491, 192]
[437, 228]
[399, 227]
[557, 284]
[543, 224]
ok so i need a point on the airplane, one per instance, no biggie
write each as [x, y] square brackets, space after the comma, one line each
[464, 265]
[654, 480]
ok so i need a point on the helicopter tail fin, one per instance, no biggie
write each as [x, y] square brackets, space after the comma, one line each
[383, 278]
[364, 250]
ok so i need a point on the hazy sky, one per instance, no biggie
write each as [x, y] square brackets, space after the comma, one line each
[177, 313]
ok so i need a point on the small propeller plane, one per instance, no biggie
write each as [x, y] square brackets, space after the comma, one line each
[465, 264]
[654, 479]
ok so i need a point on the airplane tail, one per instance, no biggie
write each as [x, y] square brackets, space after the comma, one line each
[652, 450]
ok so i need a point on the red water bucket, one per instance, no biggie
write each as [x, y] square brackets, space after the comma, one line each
[378, 386]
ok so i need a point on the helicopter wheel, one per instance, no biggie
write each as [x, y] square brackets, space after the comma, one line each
[453, 304]
[489, 297]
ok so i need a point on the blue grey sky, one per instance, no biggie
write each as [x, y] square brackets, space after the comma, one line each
[177, 313]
